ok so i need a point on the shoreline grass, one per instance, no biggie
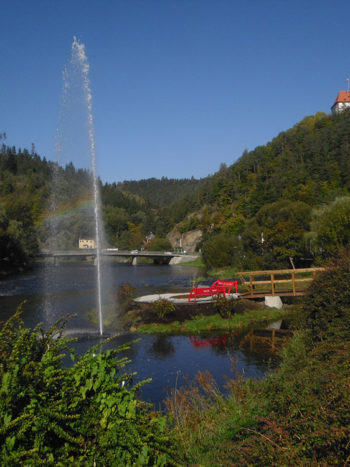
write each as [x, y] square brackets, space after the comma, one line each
[197, 262]
[215, 323]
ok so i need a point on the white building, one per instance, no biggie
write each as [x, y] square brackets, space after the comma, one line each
[342, 102]
[86, 243]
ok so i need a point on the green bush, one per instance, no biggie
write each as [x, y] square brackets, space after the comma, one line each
[327, 303]
[225, 307]
[331, 226]
[162, 307]
[78, 415]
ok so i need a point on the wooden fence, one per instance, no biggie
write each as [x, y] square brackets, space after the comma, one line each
[277, 282]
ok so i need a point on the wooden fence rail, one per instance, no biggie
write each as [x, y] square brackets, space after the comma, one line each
[294, 277]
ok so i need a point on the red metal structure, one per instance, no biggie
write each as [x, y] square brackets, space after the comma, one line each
[229, 285]
[206, 292]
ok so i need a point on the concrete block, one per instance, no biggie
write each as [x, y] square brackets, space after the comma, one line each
[275, 325]
[273, 302]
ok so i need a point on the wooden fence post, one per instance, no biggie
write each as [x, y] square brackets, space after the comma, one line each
[272, 284]
[293, 283]
[251, 284]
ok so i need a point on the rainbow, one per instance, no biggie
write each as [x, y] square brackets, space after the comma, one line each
[66, 210]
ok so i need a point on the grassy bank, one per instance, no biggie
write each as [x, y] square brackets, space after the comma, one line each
[297, 416]
[202, 324]
[197, 262]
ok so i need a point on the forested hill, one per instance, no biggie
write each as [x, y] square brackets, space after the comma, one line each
[275, 198]
[310, 163]
[164, 191]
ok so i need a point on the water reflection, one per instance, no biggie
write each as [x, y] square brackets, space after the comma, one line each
[174, 360]
[217, 341]
[169, 360]
[162, 347]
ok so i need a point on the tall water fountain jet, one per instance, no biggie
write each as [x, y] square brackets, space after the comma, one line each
[75, 143]
[78, 52]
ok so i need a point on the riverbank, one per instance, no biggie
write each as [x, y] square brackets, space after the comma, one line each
[202, 324]
[296, 416]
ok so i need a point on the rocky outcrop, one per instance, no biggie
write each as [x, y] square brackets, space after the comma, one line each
[188, 241]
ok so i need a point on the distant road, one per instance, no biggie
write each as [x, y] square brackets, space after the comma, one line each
[163, 257]
[105, 252]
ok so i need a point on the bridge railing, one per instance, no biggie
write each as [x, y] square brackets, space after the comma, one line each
[277, 281]
[106, 252]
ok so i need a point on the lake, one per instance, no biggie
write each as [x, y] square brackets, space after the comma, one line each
[52, 292]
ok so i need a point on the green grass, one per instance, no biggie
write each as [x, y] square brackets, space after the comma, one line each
[223, 273]
[197, 262]
[203, 324]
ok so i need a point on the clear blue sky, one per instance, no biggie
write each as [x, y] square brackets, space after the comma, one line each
[179, 86]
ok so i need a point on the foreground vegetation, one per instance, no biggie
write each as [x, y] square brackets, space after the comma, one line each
[85, 414]
[300, 415]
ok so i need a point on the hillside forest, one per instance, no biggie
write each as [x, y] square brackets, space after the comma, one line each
[284, 204]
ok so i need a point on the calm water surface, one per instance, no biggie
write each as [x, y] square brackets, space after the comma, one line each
[52, 292]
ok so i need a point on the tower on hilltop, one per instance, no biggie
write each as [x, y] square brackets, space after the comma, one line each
[342, 102]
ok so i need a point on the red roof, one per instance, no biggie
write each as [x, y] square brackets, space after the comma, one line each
[343, 96]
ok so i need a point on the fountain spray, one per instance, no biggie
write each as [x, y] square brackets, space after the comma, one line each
[79, 57]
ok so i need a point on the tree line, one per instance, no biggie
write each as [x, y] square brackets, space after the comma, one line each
[282, 204]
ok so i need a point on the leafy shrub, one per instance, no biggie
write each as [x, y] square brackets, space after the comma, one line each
[307, 421]
[162, 307]
[327, 303]
[225, 307]
[331, 226]
[81, 415]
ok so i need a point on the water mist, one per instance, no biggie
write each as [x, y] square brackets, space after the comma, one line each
[75, 199]
[78, 53]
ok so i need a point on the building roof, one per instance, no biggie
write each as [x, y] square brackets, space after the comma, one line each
[343, 96]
